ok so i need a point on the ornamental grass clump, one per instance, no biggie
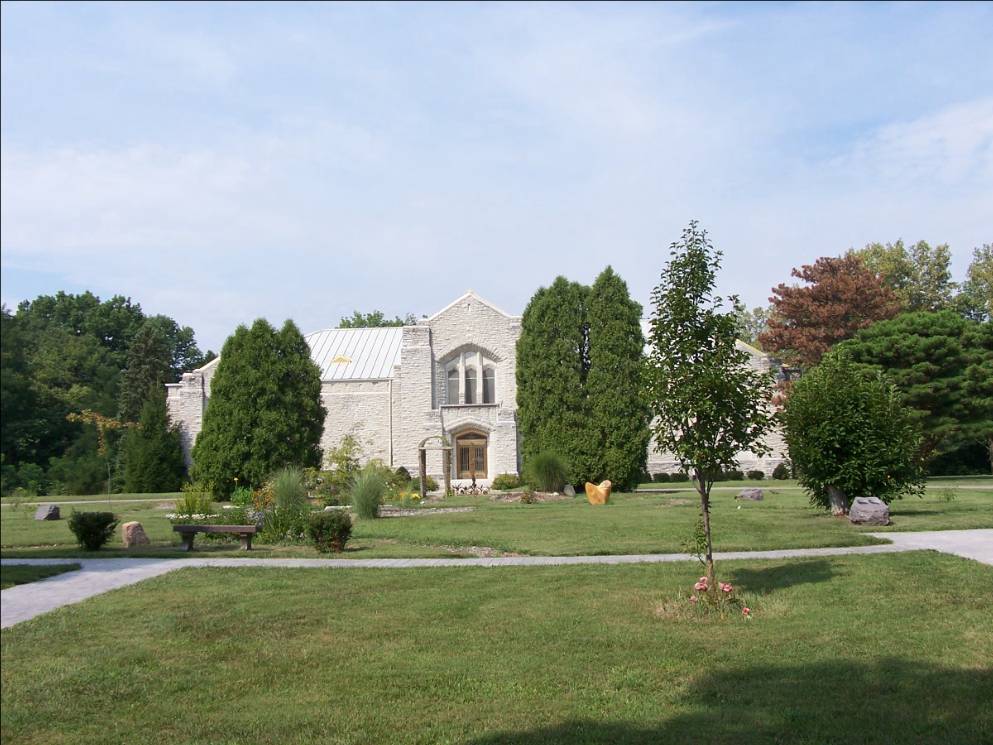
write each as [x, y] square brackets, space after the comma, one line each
[92, 529]
[547, 471]
[330, 531]
[368, 492]
[288, 488]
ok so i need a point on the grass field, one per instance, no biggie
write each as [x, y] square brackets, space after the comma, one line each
[640, 522]
[21, 575]
[872, 649]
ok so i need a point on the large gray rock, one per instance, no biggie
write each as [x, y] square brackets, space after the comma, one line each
[569, 491]
[755, 495]
[47, 512]
[869, 511]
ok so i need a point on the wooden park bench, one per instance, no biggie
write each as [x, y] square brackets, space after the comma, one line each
[245, 532]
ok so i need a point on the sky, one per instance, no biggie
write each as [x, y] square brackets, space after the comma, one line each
[223, 162]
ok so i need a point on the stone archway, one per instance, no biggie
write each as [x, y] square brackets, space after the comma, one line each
[446, 458]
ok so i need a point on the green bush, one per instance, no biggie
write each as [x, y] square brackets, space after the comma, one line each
[430, 484]
[344, 467]
[850, 434]
[241, 496]
[196, 500]
[756, 475]
[330, 531]
[285, 524]
[733, 476]
[368, 492]
[781, 472]
[505, 481]
[679, 476]
[92, 529]
[661, 478]
[403, 473]
[288, 488]
[547, 471]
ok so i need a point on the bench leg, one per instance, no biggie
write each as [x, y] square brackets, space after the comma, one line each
[246, 541]
[188, 541]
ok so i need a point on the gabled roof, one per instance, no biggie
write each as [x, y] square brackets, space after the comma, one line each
[474, 296]
[646, 329]
[356, 354]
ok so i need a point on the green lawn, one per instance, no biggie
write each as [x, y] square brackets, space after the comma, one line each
[873, 649]
[640, 522]
[164, 496]
[21, 575]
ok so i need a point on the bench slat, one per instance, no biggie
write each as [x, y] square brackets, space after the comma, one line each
[215, 528]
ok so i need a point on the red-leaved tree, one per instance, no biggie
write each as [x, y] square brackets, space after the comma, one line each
[842, 296]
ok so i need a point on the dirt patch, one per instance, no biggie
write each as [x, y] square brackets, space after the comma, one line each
[482, 552]
[390, 511]
[539, 496]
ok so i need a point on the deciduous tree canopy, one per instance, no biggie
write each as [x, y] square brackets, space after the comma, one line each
[841, 297]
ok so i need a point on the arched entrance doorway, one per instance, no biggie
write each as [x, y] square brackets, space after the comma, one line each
[470, 455]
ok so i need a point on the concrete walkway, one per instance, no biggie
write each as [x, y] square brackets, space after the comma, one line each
[97, 576]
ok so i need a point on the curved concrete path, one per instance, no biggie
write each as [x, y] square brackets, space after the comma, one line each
[98, 576]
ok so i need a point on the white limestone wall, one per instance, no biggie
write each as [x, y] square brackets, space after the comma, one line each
[362, 409]
[186, 401]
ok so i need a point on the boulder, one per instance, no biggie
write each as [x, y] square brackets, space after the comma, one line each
[755, 495]
[569, 491]
[132, 534]
[598, 494]
[47, 512]
[869, 511]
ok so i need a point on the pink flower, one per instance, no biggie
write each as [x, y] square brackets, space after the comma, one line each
[693, 598]
[746, 611]
[701, 586]
[726, 587]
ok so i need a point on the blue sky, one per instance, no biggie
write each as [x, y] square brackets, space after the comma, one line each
[218, 163]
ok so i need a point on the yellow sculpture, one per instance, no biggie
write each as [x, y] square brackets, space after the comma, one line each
[598, 494]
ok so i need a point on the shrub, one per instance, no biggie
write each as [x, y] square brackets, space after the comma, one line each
[330, 530]
[368, 492]
[196, 500]
[781, 472]
[660, 478]
[403, 473]
[547, 471]
[756, 475]
[527, 496]
[344, 467]
[241, 496]
[849, 434]
[285, 524]
[92, 529]
[733, 476]
[505, 481]
[430, 484]
[287, 487]
[679, 477]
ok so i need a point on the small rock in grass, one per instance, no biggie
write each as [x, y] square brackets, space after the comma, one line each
[755, 495]
[569, 491]
[869, 511]
[47, 512]
[133, 534]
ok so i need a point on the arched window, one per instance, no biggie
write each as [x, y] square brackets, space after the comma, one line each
[489, 385]
[452, 390]
[470, 385]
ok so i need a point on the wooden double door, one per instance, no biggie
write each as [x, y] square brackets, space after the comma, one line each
[470, 456]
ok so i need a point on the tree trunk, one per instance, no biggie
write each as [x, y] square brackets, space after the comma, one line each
[838, 501]
[702, 487]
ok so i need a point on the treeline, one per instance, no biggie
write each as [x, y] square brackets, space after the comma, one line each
[78, 376]
[897, 310]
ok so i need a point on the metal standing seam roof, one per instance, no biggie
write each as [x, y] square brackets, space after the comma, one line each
[356, 354]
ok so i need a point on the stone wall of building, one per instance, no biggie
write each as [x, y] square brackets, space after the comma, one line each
[362, 409]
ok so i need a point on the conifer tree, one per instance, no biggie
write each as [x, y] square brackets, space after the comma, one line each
[153, 454]
[552, 365]
[619, 415]
[265, 409]
[148, 365]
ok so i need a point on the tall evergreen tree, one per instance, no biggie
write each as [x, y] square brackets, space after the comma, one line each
[619, 416]
[153, 453]
[149, 363]
[265, 408]
[552, 365]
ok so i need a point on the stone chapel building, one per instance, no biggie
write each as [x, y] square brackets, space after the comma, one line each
[452, 374]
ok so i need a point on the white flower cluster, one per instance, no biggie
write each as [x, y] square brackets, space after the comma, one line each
[173, 516]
